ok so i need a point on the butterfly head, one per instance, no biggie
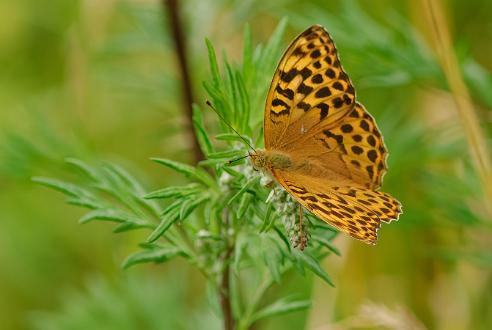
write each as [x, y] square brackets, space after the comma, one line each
[258, 159]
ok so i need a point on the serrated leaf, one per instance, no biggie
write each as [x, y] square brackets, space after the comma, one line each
[156, 256]
[189, 171]
[281, 306]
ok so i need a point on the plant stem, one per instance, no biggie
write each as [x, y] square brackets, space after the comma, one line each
[175, 24]
[225, 292]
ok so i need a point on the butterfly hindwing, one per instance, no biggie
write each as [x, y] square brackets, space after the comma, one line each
[309, 87]
[354, 210]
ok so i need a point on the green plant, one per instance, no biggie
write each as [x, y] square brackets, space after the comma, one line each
[224, 222]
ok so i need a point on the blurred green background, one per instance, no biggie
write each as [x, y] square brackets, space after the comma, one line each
[99, 80]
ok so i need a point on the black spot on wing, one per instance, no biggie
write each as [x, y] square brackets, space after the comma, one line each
[322, 92]
[288, 93]
[288, 76]
[304, 89]
[316, 53]
[277, 102]
[304, 106]
[305, 73]
[330, 73]
[347, 128]
[357, 150]
[323, 110]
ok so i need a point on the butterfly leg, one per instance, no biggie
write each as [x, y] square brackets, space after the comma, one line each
[302, 241]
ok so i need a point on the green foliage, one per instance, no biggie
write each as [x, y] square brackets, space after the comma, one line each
[223, 216]
[131, 302]
[79, 79]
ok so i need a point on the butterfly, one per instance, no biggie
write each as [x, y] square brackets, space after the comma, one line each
[321, 145]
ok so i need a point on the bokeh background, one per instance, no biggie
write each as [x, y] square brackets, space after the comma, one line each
[99, 80]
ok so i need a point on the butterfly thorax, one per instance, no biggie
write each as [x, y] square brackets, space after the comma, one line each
[273, 159]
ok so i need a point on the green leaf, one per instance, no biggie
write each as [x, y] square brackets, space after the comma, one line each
[175, 191]
[243, 205]
[243, 189]
[64, 187]
[217, 96]
[84, 202]
[201, 133]
[229, 137]
[228, 154]
[135, 188]
[189, 171]
[281, 306]
[230, 84]
[214, 67]
[167, 221]
[242, 241]
[82, 166]
[269, 219]
[325, 242]
[272, 258]
[272, 50]
[312, 264]
[282, 236]
[244, 98]
[107, 215]
[127, 226]
[156, 255]
[190, 204]
[247, 51]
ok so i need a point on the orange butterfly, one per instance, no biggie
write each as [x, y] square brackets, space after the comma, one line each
[321, 145]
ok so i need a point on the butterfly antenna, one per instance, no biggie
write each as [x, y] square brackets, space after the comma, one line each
[237, 159]
[230, 126]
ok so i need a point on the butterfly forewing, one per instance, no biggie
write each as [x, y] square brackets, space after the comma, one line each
[309, 87]
[359, 143]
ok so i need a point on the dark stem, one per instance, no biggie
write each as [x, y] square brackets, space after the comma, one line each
[225, 292]
[175, 24]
